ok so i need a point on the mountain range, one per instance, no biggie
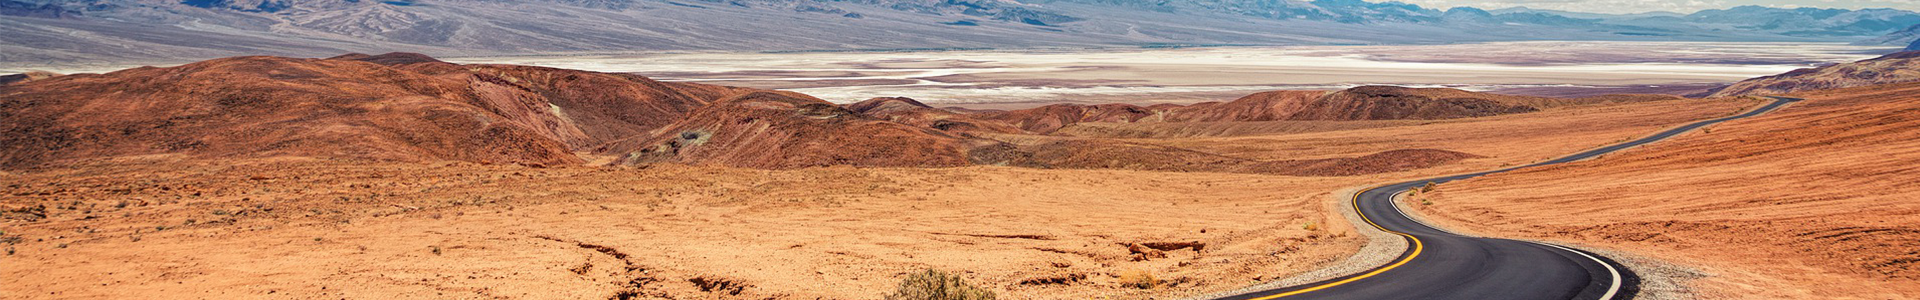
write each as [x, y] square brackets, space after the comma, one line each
[52, 32]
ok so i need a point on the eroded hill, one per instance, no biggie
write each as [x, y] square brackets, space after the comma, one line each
[1891, 68]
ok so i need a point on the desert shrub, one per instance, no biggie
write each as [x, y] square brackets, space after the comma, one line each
[1427, 188]
[1311, 226]
[937, 285]
[1138, 279]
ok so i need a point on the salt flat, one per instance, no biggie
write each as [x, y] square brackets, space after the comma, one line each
[1158, 75]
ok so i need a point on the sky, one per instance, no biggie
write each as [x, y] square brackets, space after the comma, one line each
[1681, 6]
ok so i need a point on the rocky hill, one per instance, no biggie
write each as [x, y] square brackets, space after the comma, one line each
[412, 107]
[786, 130]
[912, 112]
[1892, 68]
[1354, 104]
[395, 106]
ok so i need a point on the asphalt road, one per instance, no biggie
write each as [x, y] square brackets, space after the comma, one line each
[1442, 265]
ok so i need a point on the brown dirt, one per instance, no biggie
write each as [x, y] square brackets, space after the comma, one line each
[415, 110]
[1809, 202]
[105, 220]
[1354, 104]
[908, 111]
[783, 130]
[1891, 68]
[1676, 89]
[304, 228]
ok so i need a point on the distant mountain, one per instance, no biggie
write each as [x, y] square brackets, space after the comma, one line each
[1809, 21]
[1903, 37]
[55, 32]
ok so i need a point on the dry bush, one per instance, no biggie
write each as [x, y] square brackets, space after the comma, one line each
[1138, 279]
[937, 285]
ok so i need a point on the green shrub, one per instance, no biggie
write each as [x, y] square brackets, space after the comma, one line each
[937, 285]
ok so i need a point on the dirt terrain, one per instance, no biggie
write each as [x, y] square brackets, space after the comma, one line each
[392, 107]
[1813, 201]
[181, 226]
[1891, 68]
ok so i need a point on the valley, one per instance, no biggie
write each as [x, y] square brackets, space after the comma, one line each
[172, 225]
[1005, 79]
[1064, 151]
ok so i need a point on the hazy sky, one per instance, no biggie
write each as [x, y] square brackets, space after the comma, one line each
[1682, 6]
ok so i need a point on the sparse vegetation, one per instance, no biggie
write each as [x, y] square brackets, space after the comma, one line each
[937, 285]
[436, 250]
[1138, 279]
[1428, 188]
[1311, 226]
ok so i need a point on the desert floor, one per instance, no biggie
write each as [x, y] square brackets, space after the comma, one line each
[1033, 77]
[175, 227]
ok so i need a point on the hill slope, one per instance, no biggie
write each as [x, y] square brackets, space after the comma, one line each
[1813, 201]
[785, 130]
[1891, 68]
[396, 106]
[1354, 104]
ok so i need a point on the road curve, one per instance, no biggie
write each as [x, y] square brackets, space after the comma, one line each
[1443, 265]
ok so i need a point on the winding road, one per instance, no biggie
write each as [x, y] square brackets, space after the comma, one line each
[1443, 265]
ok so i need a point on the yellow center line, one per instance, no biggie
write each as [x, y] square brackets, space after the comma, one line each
[1417, 247]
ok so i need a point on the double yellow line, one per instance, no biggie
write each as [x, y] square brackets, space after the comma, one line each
[1417, 247]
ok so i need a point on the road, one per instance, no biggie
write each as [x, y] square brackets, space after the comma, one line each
[1443, 265]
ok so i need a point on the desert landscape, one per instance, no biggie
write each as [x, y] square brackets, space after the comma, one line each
[959, 149]
[1805, 203]
[1083, 210]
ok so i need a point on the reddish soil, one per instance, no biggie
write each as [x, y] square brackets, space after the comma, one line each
[785, 130]
[1891, 68]
[1354, 104]
[1110, 154]
[184, 226]
[1813, 201]
[417, 109]
[1684, 90]
[911, 112]
[1048, 118]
